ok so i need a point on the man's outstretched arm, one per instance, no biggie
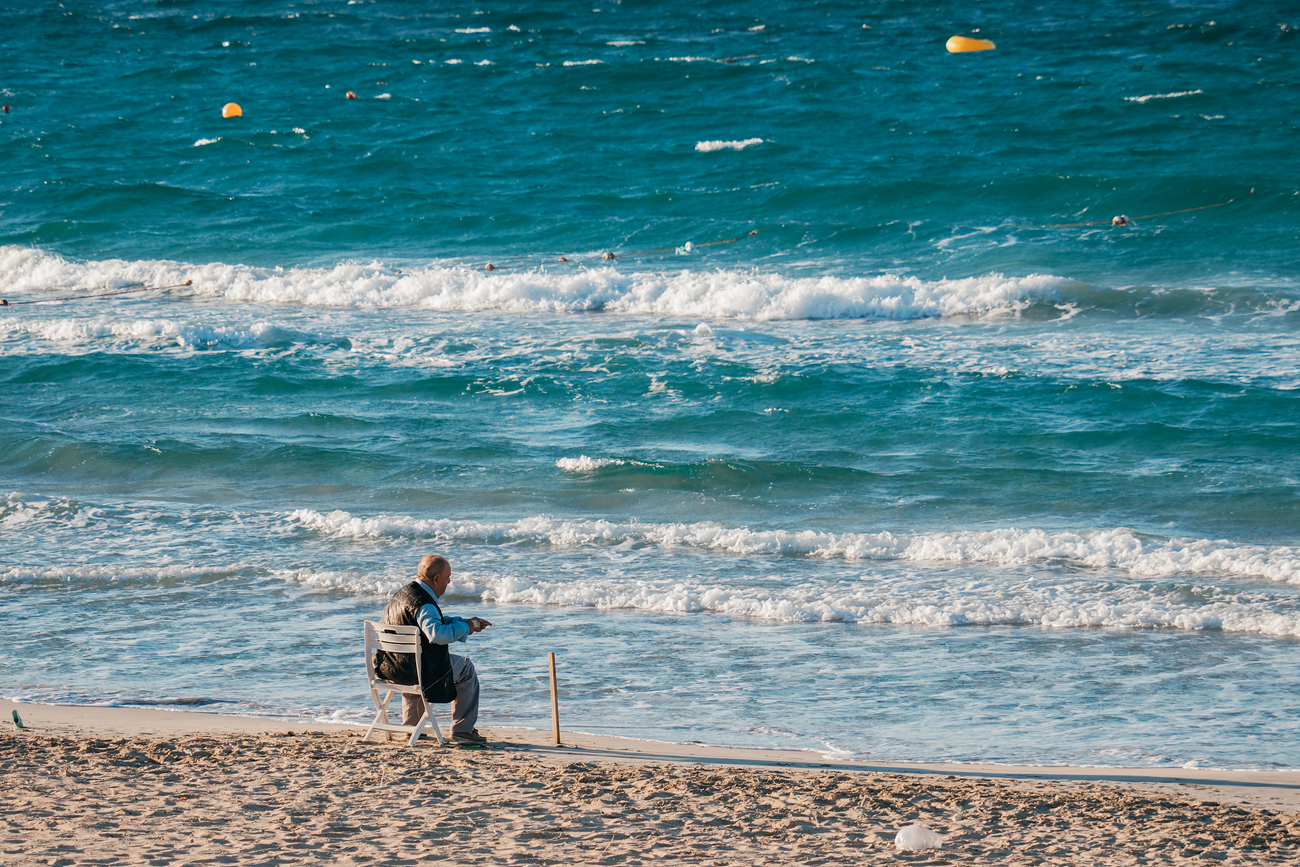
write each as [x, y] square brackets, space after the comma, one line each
[439, 630]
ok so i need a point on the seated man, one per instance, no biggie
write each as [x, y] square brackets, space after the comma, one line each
[447, 677]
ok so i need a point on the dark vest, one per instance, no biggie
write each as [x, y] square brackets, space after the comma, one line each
[403, 610]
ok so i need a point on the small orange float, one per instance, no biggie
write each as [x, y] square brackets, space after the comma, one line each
[962, 44]
[232, 109]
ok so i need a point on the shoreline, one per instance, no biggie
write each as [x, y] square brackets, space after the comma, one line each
[1268, 789]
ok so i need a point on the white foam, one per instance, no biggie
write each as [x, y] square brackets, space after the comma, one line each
[897, 597]
[83, 575]
[365, 585]
[474, 30]
[1152, 96]
[152, 334]
[706, 146]
[584, 464]
[744, 294]
[1107, 579]
[19, 509]
[206, 141]
[25, 269]
[1117, 549]
[583, 62]
[876, 597]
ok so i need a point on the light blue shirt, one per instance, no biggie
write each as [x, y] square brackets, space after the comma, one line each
[439, 629]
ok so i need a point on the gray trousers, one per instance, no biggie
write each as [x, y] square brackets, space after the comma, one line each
[464, 710]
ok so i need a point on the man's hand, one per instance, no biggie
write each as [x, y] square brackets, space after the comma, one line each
[477, 624]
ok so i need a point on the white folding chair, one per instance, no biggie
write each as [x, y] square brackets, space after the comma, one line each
[396, 639]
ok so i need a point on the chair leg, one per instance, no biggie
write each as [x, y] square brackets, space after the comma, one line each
[437, 729]
[381, 714]
[419, 730]
[376, 721]
[381, 718]
[427, 719]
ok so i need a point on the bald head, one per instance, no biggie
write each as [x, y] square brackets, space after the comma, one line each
[435, 571]
[433, 566]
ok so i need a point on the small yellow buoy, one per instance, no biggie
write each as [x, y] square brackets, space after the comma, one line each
[232, 109]
[959, 44]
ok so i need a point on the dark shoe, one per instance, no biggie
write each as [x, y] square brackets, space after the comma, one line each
[469, 737]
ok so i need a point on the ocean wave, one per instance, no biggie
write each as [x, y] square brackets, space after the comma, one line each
[37, 275]
[1059, 606]
[584, 464]
[350, 582]
[1116, 549]
[85, 575]
[1150, 96]
[706, 146]
[740, 294]
[1066, 602]
[1061, 580]
[903, 597]
[161, 333]
[17, 510]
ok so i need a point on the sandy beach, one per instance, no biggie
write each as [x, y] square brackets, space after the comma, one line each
[135, 786]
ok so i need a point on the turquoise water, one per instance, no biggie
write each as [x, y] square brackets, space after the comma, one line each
[872, 437]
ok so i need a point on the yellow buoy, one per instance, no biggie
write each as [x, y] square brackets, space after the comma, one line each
[959, 44]
[232, 109]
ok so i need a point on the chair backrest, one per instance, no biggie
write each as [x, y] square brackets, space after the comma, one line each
[393, 639]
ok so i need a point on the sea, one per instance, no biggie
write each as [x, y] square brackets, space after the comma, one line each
[815, 398]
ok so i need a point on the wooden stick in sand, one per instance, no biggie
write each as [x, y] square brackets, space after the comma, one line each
[555, 702]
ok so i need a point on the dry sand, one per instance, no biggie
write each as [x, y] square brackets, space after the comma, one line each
[124, 786]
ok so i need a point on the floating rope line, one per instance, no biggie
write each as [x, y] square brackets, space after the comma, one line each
[1122, 220]
[5, 303]
[685, 248]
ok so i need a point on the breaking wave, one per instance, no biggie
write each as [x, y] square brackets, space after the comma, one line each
[31, 275]
[1117, 549]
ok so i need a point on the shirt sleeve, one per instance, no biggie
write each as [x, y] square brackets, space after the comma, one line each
[441, 630]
